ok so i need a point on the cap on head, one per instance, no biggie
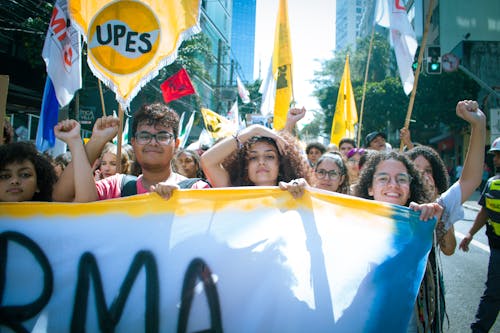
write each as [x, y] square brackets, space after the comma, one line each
[371, 136]
[495, 146]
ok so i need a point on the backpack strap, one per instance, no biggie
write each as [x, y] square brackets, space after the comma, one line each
[129, 185]
[188, 183]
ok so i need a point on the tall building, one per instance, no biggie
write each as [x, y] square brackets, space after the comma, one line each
[243, 38]
[215, 21]
[349, 18]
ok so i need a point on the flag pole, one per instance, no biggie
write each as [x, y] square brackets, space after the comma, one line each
[102, 98]
[119, 141]
[4, 89]
[417, 71]
[360, 124]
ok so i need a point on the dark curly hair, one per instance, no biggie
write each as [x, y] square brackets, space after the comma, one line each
[156, 114]
[318, 145]
[439, 172]
[18, 152]
[337, 158]
[419, 192]
[292, 164]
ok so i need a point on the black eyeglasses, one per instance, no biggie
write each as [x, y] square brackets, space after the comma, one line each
[332, 174]
[163, 138]
[402, 179]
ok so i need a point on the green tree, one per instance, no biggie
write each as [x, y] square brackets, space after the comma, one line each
[386, 104]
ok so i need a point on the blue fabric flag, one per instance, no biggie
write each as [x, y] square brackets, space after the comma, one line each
[45, 137]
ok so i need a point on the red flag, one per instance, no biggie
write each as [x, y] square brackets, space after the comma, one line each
[176, 86]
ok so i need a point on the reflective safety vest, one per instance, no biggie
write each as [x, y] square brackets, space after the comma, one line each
[492, 199]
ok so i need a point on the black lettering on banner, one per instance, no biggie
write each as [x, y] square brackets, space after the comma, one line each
[130, 41]
[199, 269]
[145, 39]
[101, 40]
[13, 316]
[109, 319]
[119, 31]
[282, 81]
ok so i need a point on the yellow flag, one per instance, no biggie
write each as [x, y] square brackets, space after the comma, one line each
[282, 67]
[217, 125]
[129, 41]
[346, 115]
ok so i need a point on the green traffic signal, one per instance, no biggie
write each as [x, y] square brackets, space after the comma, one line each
[433, 59]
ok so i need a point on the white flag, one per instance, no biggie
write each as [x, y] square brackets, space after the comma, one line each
[242, 91]
[184, 135]
[61, 53]
[391, 14]
[268, 91]
[234, 116]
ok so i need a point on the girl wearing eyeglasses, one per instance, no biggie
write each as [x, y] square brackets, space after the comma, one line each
[330, 173]
[391, 177]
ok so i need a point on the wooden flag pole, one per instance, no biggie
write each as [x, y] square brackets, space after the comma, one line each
[417, 72]
[119, 141]
[102, 98]
[360, 123]
[4, 89]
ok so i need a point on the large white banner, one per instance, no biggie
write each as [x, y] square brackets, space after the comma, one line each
[233, 260]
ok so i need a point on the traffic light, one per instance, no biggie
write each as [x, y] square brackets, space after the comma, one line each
[414, 65]
[433, 60]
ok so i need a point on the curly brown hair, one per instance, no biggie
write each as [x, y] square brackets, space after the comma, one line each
[339, 160]
[439, 172]
[18, 152]
[292, 164]
[419, 192]
[156, 114]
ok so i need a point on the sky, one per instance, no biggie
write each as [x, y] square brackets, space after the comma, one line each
[312, 30]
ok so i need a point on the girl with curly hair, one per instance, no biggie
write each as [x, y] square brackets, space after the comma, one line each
[25, 173]
[391, 177]
[430, 308]
[256, 156]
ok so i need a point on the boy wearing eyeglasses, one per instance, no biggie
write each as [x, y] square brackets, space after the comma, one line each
[154, 141]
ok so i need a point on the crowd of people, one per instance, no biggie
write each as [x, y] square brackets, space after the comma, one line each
[259, 156]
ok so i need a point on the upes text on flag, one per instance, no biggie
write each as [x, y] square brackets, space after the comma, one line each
[129, 41]
[177, 86]
[346, 115]
[392, 14]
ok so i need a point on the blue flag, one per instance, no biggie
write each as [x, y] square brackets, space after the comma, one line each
[45, 137]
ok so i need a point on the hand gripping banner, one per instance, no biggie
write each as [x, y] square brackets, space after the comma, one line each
[224, 260]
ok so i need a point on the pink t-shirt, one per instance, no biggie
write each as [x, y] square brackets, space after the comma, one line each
[110, 187]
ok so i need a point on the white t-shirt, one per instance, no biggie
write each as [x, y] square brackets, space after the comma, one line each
[451, 201]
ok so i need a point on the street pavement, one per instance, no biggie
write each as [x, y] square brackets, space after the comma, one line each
[465, 274]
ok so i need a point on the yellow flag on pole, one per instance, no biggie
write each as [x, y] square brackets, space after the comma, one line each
[346, 115]
[218, 126]
[129, 41]
[282, 66]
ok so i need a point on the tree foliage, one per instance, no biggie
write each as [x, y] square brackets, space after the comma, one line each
[386, 105]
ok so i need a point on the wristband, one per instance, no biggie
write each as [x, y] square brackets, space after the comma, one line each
[238, 142]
